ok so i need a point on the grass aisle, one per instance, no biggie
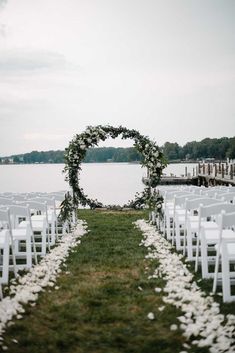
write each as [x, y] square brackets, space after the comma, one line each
[99, 306]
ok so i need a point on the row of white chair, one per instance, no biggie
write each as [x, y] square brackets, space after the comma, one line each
[28, 228]
[202, 226]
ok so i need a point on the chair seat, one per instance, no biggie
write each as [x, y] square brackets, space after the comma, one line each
[36, 224]
[19, 233]
[213, 236]
[181, 217]
[42, 217]
[231, 250]
[205, 225]
[38, 218]
[193, 219]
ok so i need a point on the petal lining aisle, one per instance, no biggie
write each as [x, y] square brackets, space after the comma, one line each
[202, 319]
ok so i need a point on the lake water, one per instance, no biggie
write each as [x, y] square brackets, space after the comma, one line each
[110, 183]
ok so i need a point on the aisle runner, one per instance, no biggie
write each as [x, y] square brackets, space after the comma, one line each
[202, 318]
[25, 289]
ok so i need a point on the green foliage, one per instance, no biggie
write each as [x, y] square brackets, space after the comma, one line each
[148, 198]
[93, 155]
[219, 149]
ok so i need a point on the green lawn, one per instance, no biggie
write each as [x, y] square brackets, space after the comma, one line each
[99, 306]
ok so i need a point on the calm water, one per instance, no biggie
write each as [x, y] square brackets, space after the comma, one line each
[112, 183]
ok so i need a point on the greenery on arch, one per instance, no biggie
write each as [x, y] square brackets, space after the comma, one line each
[152, 158]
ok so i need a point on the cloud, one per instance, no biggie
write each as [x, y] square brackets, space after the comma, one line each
[23, 61]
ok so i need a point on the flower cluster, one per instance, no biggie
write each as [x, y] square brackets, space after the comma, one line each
[202, 323]
[153, 160]
[152, 199]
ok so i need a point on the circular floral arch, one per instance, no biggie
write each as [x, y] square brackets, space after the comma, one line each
[152, 158]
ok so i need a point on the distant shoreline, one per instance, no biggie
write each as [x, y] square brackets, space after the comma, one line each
[111, 162]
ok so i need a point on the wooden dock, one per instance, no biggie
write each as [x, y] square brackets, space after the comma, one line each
[207, 174]
[211, 174]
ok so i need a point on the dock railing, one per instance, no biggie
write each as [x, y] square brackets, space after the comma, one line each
[224, 171]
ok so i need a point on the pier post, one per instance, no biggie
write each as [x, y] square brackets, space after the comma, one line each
[222, 172]
[226, 168]
[203, 169]
[231, 171]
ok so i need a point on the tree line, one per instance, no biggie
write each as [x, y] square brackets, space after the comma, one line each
[219, 149]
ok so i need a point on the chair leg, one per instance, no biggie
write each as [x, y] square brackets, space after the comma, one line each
[13, 254]
[56, 230]
[34, 249]
[204, 260]
[5, 264]
[28, 249]
[1, 295]
[225, 274]
[184, 241]
[197, 253]
[189, 245]
[43, 243]
[216, 269]
[53, 233]
[177, 235]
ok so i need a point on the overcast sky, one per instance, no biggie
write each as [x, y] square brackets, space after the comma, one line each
[163, 67]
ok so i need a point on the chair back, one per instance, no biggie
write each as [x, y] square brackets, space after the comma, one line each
[49, 200]
[228, 197]
[6, 201]
[19, 212]
[39, 207]
[18, 197]
[227, 220]
[180, 200]
[215, 209]
[5, 218]
[205, 201]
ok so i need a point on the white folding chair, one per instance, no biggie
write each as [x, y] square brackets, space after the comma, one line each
[62, 227]
[191, 223]
[21, 214]
[52, 217]
[179, 218]
[40, 225]
[168, 209]
[5, 255]
[208, 235]
[6, 242]
[226, 251]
